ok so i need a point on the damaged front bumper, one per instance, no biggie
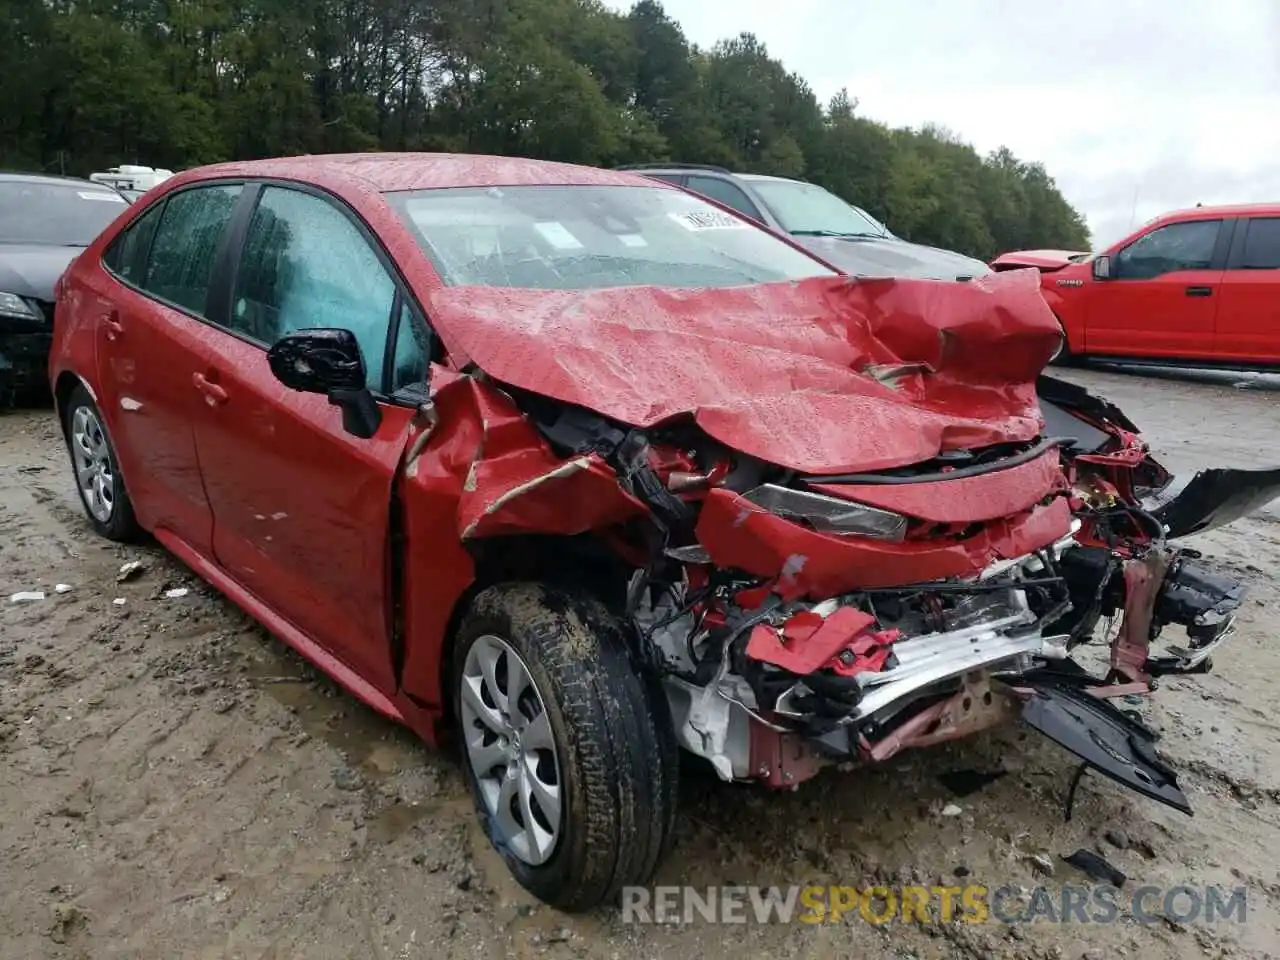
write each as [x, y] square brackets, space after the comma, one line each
[798, 620]
[777, 692]
[1211, 499]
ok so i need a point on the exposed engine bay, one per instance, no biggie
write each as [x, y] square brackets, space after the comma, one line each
[770, 682]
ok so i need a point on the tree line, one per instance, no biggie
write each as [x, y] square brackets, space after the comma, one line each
[176, 83]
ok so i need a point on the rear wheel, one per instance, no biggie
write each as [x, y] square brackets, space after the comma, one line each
[97, 473]
[568, 749]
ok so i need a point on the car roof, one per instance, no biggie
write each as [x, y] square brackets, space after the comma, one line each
[708, 171]
[1223, 210]
[16, 177]
[766, 178]
[385, 172]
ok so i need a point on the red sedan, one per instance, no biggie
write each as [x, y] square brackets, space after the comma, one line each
[582, 468]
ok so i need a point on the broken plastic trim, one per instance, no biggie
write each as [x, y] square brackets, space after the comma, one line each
[829, 514]
[1213, 498]
[1104, 738]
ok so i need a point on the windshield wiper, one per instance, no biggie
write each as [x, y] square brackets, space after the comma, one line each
[839, 235]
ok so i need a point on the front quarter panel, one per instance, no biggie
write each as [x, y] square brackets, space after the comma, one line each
[1066, 293]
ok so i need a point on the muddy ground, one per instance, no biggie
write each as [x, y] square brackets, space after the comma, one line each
[175, 783]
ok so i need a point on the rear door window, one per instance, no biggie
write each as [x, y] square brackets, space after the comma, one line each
[185, 247]
[1261, 244]
[127, 255]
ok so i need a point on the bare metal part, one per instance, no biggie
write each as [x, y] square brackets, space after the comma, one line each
[711, 725]
[987, 650]
[1189, 659]
[992, 633]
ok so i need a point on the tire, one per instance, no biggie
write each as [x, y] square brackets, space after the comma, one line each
[1065, 357]
[94, 463]
[615, 758]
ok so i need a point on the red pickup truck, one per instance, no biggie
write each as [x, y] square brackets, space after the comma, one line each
[1199, 285]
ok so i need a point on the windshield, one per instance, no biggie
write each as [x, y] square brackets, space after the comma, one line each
[807, 210]
[57, 214]
[592, 237]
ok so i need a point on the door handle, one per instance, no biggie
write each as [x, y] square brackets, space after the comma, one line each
[1199, 291]
[111, 323]
[213, 393]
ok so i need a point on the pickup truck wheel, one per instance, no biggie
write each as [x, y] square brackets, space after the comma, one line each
[97, 474]
[568, 749]
[1064, 357]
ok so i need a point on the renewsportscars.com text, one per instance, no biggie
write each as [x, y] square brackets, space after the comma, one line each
[972, 903]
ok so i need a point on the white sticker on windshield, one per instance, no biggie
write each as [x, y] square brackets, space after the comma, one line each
[708, 220]
[100, 195]
[632, 240]
[558, 236]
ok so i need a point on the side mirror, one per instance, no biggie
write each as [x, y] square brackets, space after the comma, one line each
[1102, 268]
[328, 361]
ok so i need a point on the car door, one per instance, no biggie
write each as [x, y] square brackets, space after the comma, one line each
[1162, 295]
[300, 507]
[150, 345]
[1248, 321]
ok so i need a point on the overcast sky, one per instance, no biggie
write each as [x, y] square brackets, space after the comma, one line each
[1174, 102]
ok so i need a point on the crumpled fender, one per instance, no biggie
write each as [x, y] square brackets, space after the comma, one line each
[826, 375]
[738, 534]
[505, 477]
[477, 468]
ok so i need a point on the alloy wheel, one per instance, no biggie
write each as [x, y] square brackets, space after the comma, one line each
[511, 748]
[95, 471]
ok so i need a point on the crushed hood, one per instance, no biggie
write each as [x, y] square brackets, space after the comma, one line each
[824, 375]
[1046, 261]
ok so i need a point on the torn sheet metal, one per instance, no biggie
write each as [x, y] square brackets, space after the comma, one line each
[987, 496]
[784, 372]
[801, 647]
[533, 491]
[739, 535]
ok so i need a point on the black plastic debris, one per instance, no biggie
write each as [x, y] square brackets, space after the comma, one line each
[964, 782]
[1096, 867]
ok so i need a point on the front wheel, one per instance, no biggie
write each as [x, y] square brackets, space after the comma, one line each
[568, 749]
[1064, 357]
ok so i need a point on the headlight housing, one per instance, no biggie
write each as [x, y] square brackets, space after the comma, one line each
[843, 518]
[12, 305]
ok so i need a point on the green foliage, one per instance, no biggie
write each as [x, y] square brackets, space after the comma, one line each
[177, 83]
